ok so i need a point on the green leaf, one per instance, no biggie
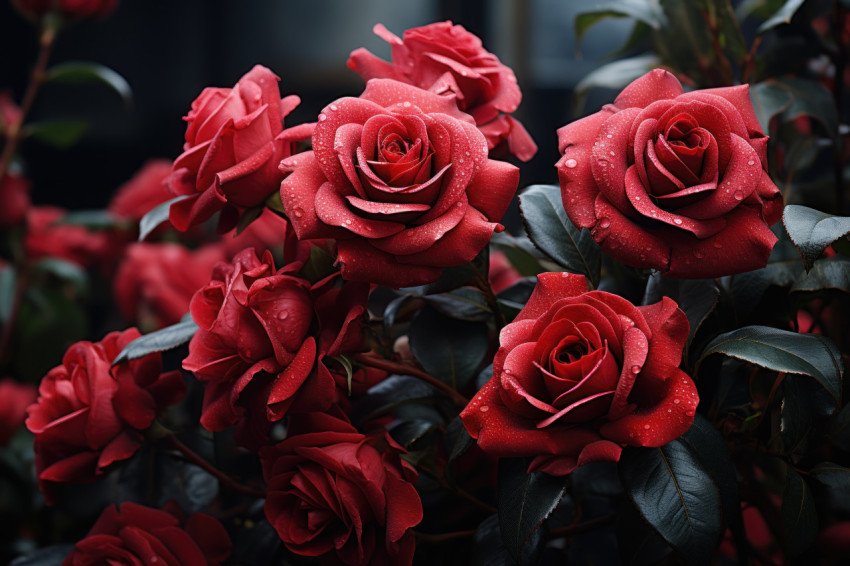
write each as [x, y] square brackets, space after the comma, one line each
[646, 11]
[61, 134]
[345, 362]
[782, 350]
[156, 216]
[709, 446]
[552, 232]
[782, 16]
[801, 97]
[812, 230]
[409, 433]
[91, 219]
[747, 289]
[769, 99]
[389, 394]
[798, 514]
[451, 350]
[827, 273]
[676, 495]
[167, 338]
[457, 438]
[520, 251]
[88, 72]
[615, 75]
[696, 297]
[489, 549]
[318, 266]
[832, 475]
[795, 419]
[8, 282]
[49, 556]
[465, 303]
[247, 217]
[63, 269]
[525, 501]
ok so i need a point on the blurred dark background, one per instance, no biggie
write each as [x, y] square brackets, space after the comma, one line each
[170, 50]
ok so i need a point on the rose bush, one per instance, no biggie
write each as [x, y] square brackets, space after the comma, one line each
[263, 339]
[445, 58]
[337, 493]
[673, 181]
[401, 179]
[580, 374]
[134, 534]
[90, 415]
[234, 142]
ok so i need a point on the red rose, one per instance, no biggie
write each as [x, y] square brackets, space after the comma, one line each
[401, 179]
[445, 58]
[14, 399]
[671, 181]
[234, 143]
[48, 237]
[70, 8]
[578, 375]
[337, 493]
[143, 192]
[134, 534]
[90, 415]
[155, 282]
[501, 273]
[14, 200]
[263, 336]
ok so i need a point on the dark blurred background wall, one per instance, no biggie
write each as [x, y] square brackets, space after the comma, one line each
[169, 50]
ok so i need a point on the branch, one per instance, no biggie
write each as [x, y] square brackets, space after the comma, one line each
[222, 478]
[403, 369]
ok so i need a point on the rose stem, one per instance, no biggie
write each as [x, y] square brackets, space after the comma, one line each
[749, 64]
[579, 528]
[839, 59]
[443, 537]
[13, 133]
[483, 284]
[222, 478]
[460, 492]
[403, 369]
[723, 62]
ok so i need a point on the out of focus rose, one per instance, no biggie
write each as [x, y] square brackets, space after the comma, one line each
[143, 192]
[134, 535]
[155, 282]
[68, 8]
[447, 59]
[234, 143]
[14, 200]
[501, 274]
[90, 414]
[47, 236]
[14, 399]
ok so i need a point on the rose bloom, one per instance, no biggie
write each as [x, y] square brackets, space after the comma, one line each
[445, 58]
[69, 8]
[336, 493]
[264, 334]
[14, 200]
[580, 374]
[156, 281]
[673, 181]
[90, 415]
[48, 237]
[501, 273]
[14, 399]
[143, 192]
[234, 143]
[401, 179]
[134, 534]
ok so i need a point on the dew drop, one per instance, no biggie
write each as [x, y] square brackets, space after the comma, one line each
[676, 401]
[609, 136]
[751, 162]
[406, 104]
[646, 427]
[333, 107]
[484, 408]
[322, 117]
[348, 221]
[699, 254]
[635, 369]
[571, 163]
[604, 223]
[690, 413]
[612, 153]
[283, 315]
[718, 245]
[739, 195]
[637, 198]
[677, 221]
[297, 213]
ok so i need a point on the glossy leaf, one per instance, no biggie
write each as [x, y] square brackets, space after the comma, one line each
[156, 216]
[839, 429]
[8, 282]
[552, 232]
[458, 440]
[87, 72]
[676, 495]
[451, 350]
[247, 217]
[61, 134]
[798, 514]
[696, 297]
[489, 549]
[389, 394]
[48, 556]
[782, 16]
[769, 99]
[826, 273]
[812, 230]
[162, 340]
[794, 97]
[782, 350]
[832, 475]
[646, 11]
[525, 501]
[464, 303]
[91, 219]
[614, 75]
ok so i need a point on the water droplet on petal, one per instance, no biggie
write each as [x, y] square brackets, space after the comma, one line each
[677, 221]
[636, 369]
[676, 401]
[298, 213]
[333, 106]
[604, 223]
[571, 163]
[484, 408]
[406, 104]
[322, 117]
[609, 136]
[699, 254]
[739, 195]
[751, 162]
[646, 427]
[348, 221]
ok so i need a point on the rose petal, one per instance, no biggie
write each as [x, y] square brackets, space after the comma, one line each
[298, 194]
[657, 84]
[360, 261]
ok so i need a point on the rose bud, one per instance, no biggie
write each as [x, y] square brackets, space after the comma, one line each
[445, 58]
[336, 493]
[401, 179]
[234, 143]
[673, 181]
[90, 415]
[134, 534]
[578, 375]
